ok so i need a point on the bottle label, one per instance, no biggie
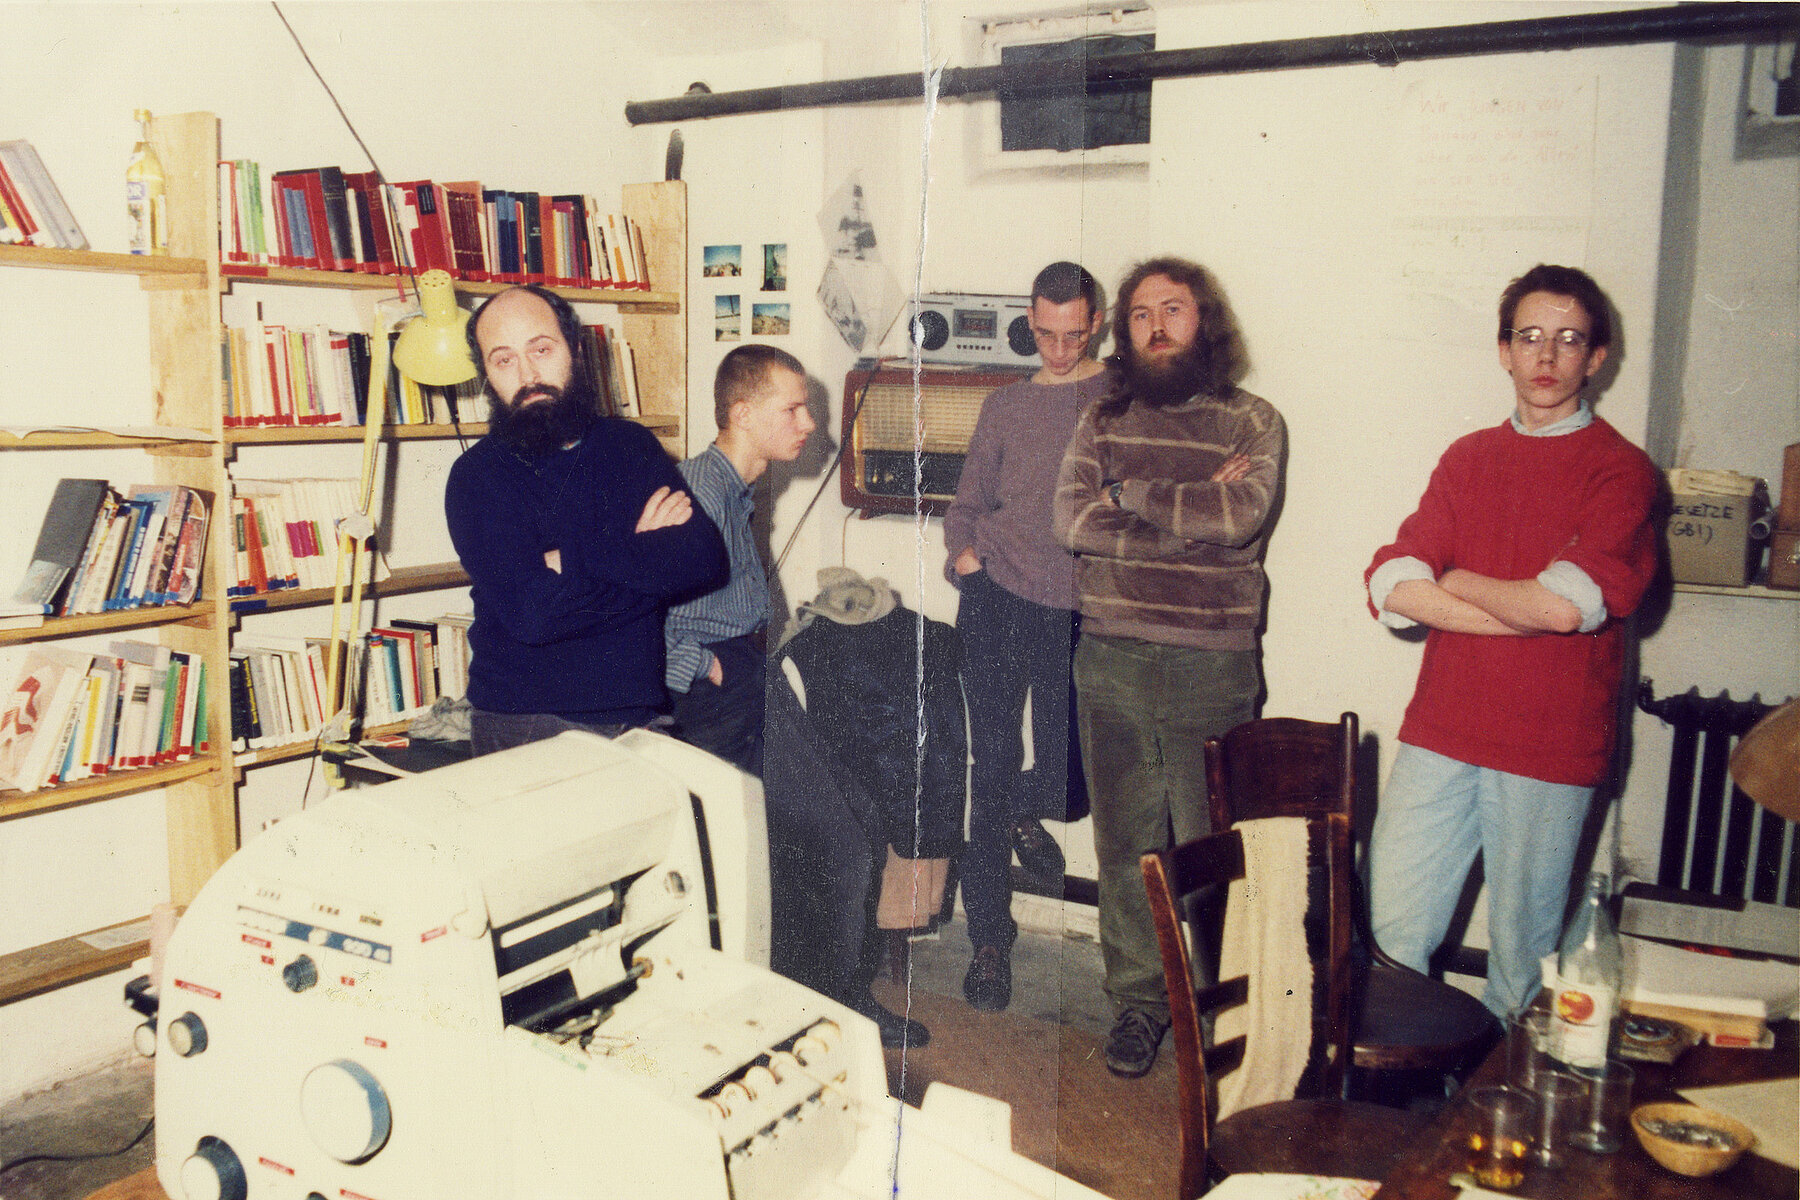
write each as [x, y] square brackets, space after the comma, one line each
[1583, 1022]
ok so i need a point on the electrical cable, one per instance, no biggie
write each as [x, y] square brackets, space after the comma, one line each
[862, 395]
[72, 1158]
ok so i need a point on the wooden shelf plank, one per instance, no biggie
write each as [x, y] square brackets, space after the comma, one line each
[200, 613]
[104, 787]
[95, 439]
[100, 261]
[273, 754]
[664, 425]
[427, 578]
[44, 968]
[281, 435]
[345, 280]
[1755, 591]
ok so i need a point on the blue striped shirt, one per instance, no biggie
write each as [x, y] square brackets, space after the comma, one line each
[742, 605]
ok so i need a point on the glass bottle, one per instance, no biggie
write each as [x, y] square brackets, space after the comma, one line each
[1585, 999]
[146, 195]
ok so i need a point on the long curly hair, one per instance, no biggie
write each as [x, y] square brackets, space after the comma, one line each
[1218, 341]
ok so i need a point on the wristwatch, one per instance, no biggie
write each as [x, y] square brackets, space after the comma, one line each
[1117, 488]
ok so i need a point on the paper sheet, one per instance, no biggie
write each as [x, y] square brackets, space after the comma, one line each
[1670, 975]
[1770, 1107]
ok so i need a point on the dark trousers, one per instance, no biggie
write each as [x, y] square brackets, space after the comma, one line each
[1011, 648]
[821, 857]
[490, 732]
[726, 718]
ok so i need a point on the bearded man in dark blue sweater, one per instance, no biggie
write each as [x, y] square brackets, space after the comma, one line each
[577, 533]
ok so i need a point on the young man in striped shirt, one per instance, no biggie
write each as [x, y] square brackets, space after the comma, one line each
[714, 643]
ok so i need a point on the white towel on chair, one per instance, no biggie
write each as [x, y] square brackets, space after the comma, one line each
[1265, 939]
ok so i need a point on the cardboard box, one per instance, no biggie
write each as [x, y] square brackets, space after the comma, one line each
[1784, 559]
[1709, 539]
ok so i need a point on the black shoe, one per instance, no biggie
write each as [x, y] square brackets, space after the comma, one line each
[988, 985]
[896, 1030]
[1038, 852]
[1131, 1048]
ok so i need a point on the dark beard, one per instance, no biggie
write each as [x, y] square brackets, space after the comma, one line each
[1168, 382]
[538, 428]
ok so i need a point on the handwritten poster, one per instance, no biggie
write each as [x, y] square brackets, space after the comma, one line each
[1488, 182]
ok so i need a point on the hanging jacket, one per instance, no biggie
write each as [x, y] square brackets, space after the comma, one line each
[893, 724]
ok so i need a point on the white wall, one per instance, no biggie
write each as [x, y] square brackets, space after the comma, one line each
[1363, 279]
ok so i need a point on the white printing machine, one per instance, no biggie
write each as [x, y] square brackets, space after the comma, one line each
[538, 974]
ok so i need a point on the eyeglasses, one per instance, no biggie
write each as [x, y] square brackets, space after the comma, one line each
[1068, 341]
[1566, 341]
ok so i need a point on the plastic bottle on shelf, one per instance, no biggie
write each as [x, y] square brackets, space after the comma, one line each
[1585, 997]
[146, 195]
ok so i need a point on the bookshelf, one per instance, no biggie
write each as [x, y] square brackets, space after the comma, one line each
[186, 442]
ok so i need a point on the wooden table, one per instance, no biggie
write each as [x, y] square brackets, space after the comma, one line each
[1630, 1174]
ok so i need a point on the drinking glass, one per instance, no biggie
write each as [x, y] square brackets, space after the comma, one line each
[1500, 1134]
[1563, 1100]
[1608, 1110]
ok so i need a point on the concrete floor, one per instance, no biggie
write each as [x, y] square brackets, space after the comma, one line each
[1054, 979]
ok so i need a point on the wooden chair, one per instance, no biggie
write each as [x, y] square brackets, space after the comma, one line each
[1399, 1018]
[1325, 1135]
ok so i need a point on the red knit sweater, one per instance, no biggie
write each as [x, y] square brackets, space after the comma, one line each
[1506, 505]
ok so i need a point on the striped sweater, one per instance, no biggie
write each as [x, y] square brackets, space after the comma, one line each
[1179, 560]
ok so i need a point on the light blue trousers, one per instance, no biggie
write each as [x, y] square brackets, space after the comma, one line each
[1435, 814]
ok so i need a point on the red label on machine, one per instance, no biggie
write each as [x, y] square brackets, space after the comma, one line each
[376, 1042]
[185, 986]
[273, 1165]
[256, 941]
[429, 934]
[347, 1194]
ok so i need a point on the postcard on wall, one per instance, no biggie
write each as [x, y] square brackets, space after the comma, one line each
[722, 262]
[768, 320]
[774, 267]
[728, 323]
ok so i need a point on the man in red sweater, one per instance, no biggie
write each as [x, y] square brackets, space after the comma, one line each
[1532, 545]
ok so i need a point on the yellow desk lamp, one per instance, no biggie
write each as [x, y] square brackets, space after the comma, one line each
[432, 349]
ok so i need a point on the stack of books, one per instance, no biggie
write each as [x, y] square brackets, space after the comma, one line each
[74, 714]
[32, 211]
[102, 551]
[329, 219]
[284, 532]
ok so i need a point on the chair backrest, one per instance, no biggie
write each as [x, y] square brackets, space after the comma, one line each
[1282, 767]
[1171, 879]
[1287, 767]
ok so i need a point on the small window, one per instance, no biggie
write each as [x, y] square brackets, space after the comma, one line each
[1769, 117]
[1106, 124]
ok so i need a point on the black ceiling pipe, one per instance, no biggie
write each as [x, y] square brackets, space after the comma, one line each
[1696, 22]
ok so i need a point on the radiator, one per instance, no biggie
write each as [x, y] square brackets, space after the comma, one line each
[1716, 840]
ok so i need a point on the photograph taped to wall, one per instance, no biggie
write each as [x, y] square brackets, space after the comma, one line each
[774, 267]
[722, 262]
[769, 320]
[728, 318]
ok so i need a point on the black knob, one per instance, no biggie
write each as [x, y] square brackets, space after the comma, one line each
[929, 329]
[187, 1035]
[1020, 337]
[213, 1171]
[300, 974]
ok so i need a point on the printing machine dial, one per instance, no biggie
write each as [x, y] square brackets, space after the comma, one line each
[187, 1035]
[300, 974]
[213, 1172]
[345, 1110]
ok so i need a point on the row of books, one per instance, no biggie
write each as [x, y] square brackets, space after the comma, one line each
[282, 375]
[284, 533]
[99, 550]
[32, 211]
[280, 686]
[329, 219]
[74, 713]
